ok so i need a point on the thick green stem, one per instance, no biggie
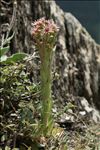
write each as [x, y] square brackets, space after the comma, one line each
[46, 91]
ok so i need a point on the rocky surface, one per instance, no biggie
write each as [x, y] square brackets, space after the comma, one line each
[77, 62]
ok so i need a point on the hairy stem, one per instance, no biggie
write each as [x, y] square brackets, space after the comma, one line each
[46, 91]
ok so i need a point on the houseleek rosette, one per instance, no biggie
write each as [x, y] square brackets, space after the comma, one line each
[44, 33]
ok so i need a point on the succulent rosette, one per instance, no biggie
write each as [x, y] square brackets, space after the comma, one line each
[44, 33]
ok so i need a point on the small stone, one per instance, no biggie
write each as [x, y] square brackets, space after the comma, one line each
[82, 113]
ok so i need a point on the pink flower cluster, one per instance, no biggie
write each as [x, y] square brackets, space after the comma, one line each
[44, 29]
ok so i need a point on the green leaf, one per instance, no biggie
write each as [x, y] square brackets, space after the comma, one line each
[4, 50]
[16, 57]
[3, 58]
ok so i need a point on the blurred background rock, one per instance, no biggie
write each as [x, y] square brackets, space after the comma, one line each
[87, 12]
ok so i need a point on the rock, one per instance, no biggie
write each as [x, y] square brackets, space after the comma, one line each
[65, 117]
[82, 113]
[90, 110]
[85, 105]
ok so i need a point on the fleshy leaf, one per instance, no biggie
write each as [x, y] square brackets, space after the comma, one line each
[16, 57]
[4, 50]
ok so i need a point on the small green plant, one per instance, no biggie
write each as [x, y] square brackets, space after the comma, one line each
[44, 33]
[12, 59]
[19, 106]
[5, 49]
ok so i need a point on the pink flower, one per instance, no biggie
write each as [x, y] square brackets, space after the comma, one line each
[43, 29]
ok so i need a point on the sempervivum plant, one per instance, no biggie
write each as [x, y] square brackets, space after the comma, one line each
[44, 33]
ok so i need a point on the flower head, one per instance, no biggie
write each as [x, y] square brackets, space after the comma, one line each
[44, 31]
